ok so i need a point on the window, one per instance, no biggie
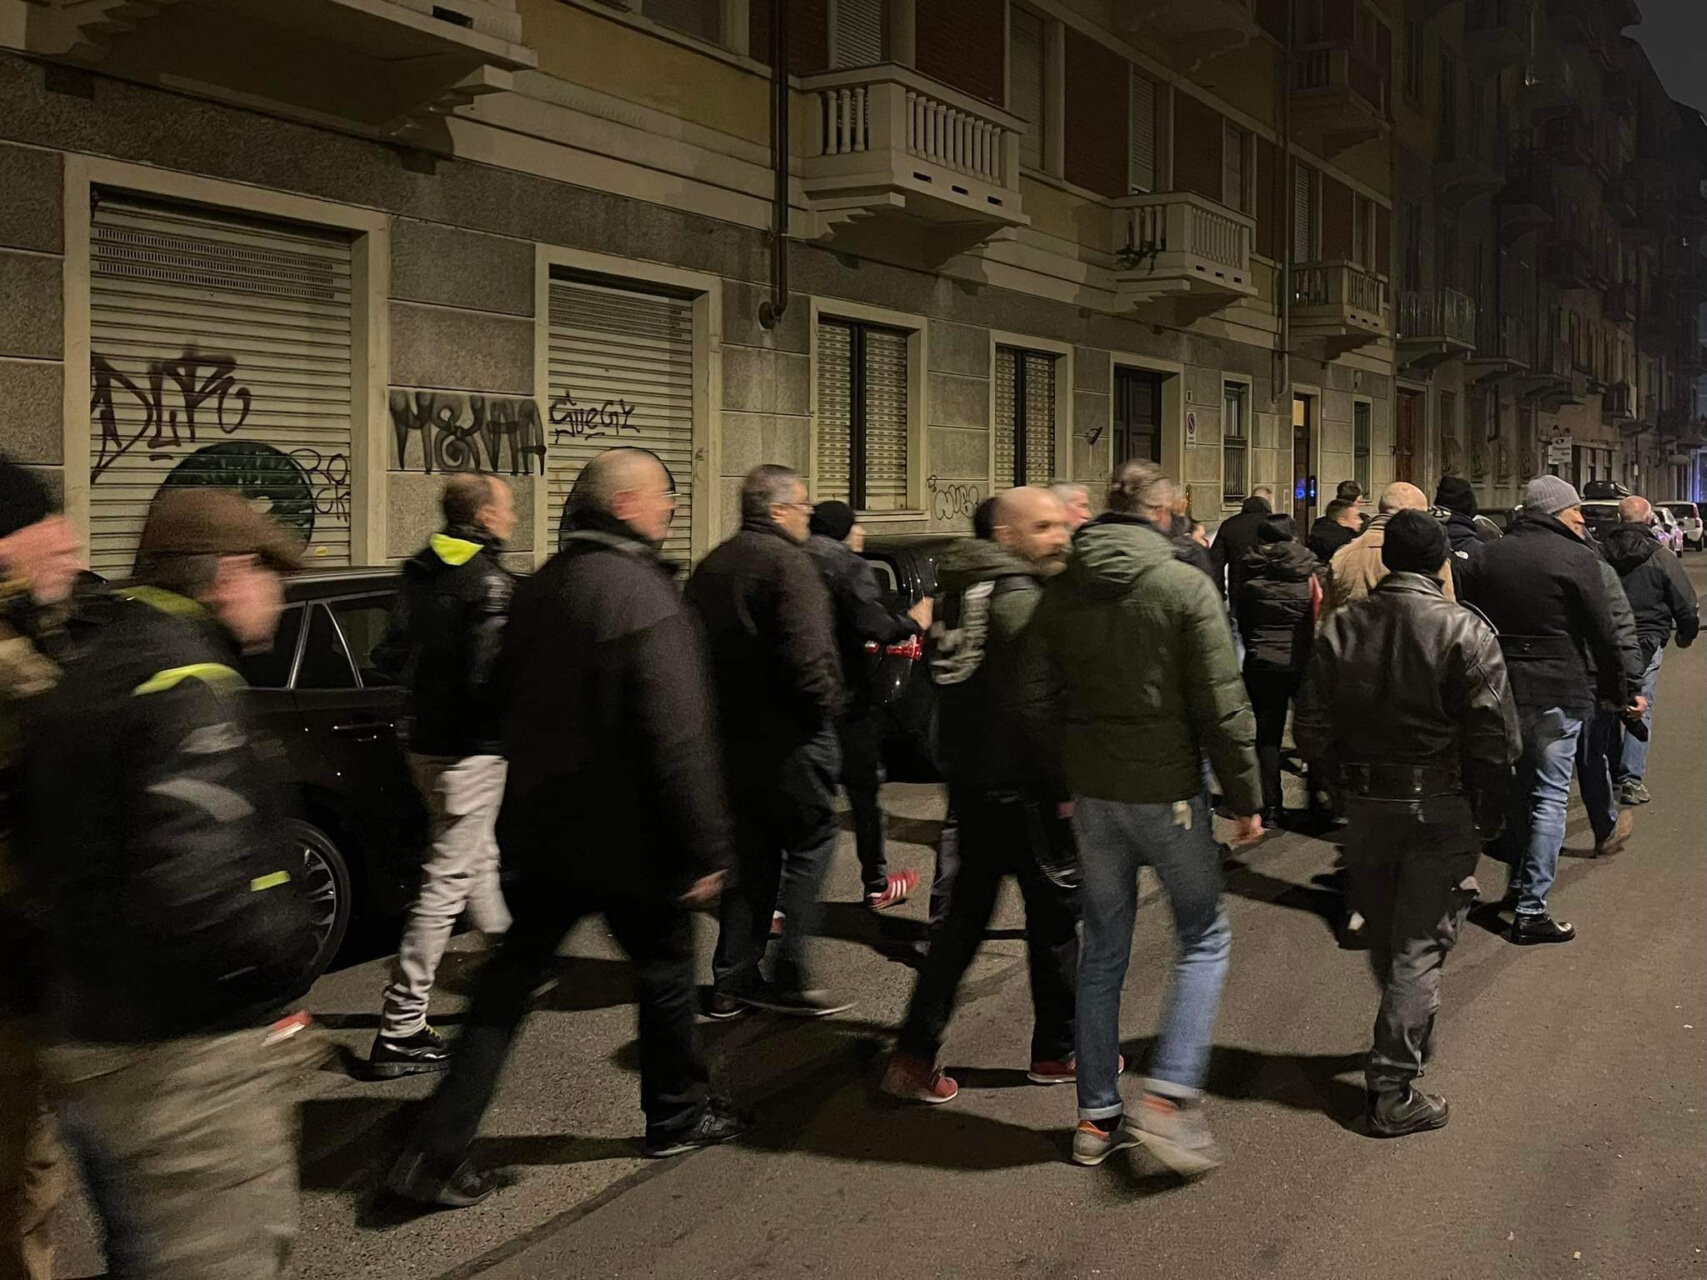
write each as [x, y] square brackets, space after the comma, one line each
[1304, 211]
[1026, 96]
[363, 622]
[325, 663]
[860, 30]
[1235, 443]
[1360, 443]
[1363, 231]
[1447, 144]
[1233, 168]
[1413, 60]
[1141, 138]
[863, 433]
[701, 18]
[1413, 233]
[271, 669]
[1025, 417]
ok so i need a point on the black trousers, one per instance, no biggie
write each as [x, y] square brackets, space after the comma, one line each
[862, 777]
[657, 934]
[999, 835]
[1271, 697]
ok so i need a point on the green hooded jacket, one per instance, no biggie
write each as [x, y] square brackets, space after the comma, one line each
[1131, 677]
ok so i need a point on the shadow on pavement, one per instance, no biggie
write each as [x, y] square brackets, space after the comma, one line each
[1320, 899]
[346, 1142]
[1304, 1081]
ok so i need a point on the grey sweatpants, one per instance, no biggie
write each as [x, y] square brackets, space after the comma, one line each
[1412, 874]
[461, 873]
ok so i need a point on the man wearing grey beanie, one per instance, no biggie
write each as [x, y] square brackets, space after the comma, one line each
[1541, 588]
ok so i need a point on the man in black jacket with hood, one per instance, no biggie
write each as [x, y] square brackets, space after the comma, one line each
[766, 615]
[1540, 586]
[1661, 598]
[1237, 535]
[176, 931]
[607, 724]
[443, 642]
[1455, 496]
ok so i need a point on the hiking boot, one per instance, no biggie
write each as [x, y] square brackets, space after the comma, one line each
[894, 892]
[716, 1124]
[1096, 1140]
[1528, 930]
[1393, 1113]
[1620, 836]
[915, 1080]
[1177, 1134]
[410, 1179]
[418, 1054]
[1633, 791]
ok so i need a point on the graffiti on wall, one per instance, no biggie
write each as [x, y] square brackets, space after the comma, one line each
[952, 501]
[465, 431]
[158, 412]
[583, 420]
[298, 487]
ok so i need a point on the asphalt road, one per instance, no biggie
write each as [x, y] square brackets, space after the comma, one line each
[1578, 1144]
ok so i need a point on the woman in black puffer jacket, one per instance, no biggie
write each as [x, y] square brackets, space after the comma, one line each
[1276, 612]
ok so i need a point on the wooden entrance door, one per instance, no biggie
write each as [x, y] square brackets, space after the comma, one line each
[1303, 482]
[1407, 433]
[1137, 416]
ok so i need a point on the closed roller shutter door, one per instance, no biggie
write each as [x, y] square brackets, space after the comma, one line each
[885, 420]
[1025, 77]
[1141, 157]
[1038, 423]
[219, 355]
[875, 403]
[1303, 215]
[835, 413]
[1006, 415]
[859, 33]
[620, 369]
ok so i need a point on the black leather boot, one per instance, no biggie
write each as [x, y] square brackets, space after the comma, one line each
[1527, 931]
[1394, 1112]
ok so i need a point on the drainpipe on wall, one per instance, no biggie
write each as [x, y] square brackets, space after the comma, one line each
[771, 310]
[1283, 384]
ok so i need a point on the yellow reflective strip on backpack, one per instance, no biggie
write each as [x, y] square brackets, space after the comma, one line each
[165, 601]
[209, 673]
[270, 881]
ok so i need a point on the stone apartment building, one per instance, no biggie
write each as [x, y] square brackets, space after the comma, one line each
[327, 251]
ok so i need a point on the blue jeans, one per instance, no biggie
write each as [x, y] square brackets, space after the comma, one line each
[1634, 763]
[1535, 830]
[1597, 752]
[1116, 839]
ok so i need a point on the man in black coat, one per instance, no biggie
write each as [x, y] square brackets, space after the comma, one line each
[779, 691]
[1237, 535]
[1335, 527]
[861, 618]
[1662, 598]
[442, 643]
[1455, 496]
[1406, 700]
[613, 805]
[1540, 586]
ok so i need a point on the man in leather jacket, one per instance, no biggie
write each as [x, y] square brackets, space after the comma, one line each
[443, 642]
[1406, 701]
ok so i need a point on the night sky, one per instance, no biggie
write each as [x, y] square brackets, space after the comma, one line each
[1674, 33]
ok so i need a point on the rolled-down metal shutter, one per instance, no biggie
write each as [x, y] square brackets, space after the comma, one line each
[219, 355]
[1033, 421]
[620, 368]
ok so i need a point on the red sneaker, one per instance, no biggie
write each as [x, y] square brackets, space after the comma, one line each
[895, 890]
[915, 1080]
[777, 922]
[1061, 1072]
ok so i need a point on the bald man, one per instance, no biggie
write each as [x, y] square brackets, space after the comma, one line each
[1357, 567]
[997, 789]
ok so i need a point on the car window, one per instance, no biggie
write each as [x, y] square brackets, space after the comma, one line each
[325, 664]
[888, 578]
[363, 622]
[271, 669]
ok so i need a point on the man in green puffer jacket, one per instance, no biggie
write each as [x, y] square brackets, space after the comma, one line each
[1130, 680]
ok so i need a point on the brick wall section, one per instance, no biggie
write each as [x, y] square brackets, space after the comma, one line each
[1096, 116]
[1197, 147]
[961, 43]
[1336, 220]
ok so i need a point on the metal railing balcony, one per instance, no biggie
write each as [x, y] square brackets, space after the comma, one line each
[1437, 315]
[1178, 242]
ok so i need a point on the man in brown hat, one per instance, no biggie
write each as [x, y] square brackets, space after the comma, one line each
[175, 931]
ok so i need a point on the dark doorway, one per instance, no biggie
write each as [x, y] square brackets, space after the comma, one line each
[1303, 482]
[1406, 434]
[1137, 416]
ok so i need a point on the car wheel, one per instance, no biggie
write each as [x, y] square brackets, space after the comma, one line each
[326, 885]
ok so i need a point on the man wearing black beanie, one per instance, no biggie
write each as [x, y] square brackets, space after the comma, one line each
[1454, 496]
[1406, 701]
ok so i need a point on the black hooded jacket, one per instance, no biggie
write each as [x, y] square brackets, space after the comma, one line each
[1660, 593]
[1237, 535]
[1327, 536]
[1461, 532]
[860, 616]
[1273, 604]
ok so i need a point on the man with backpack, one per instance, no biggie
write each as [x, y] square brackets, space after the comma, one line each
[998, 790]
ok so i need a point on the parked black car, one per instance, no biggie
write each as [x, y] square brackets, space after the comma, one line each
[361, 827]
[906, 570]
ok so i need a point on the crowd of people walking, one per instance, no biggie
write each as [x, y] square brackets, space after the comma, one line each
[1104, 685]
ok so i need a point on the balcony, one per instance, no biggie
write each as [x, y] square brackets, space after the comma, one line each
[1557, 382]
[1340, 305]
[1180, 245]
[887, 142]
[1618, 405]
[1339, 96]
[1197, 31]
[1496, 35]
[1502, 348]
[1569, 265]
[384, 68]
[1435, 325]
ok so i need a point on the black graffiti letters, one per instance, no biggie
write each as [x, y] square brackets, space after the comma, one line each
[951, 501]
[329, 480]
[572, 421]
[159, 412]
[461, 432]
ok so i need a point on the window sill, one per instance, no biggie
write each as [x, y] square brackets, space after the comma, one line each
[891, 517]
